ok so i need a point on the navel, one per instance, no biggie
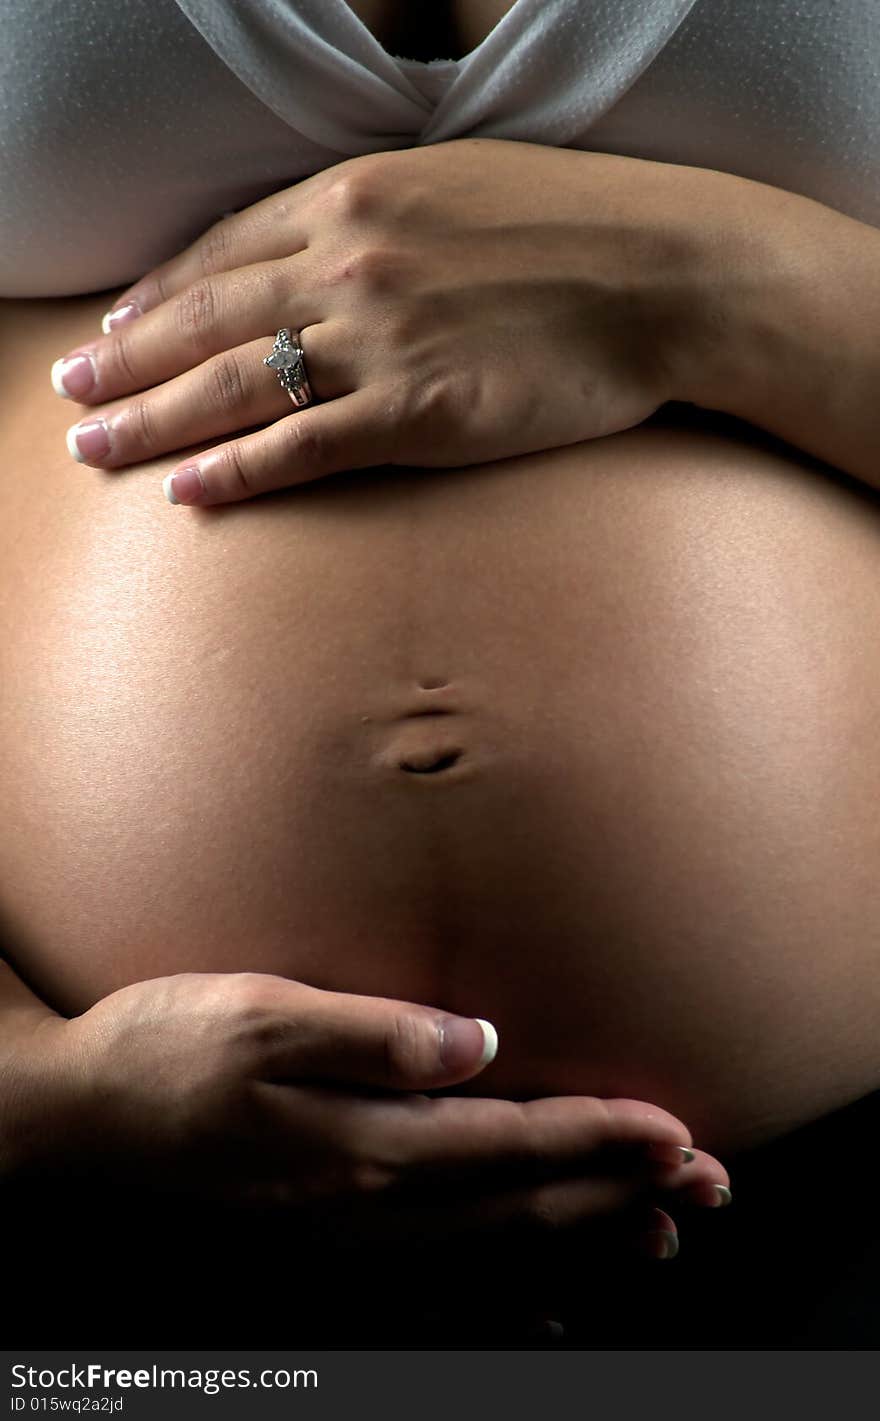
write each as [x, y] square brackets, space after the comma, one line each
[431, 762]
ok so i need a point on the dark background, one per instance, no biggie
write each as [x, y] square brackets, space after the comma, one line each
[794, 1262]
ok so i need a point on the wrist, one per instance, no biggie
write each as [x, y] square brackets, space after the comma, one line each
[739, 302]
[39, 1098]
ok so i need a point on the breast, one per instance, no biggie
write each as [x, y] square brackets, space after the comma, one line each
[585, 743]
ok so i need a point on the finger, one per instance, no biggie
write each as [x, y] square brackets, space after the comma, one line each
[657, 1237]
[539, 1136]
[708, 1188]
[268, 230]
[661, 1220]
[208, 317]
[228, 393]
[409, 1139]
[372, 1042]
[696, 1182]
[354, 432]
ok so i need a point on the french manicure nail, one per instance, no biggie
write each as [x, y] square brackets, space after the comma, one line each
[671, 1155]
[667, 1244]
[709, 1196]
[119, 315]
[185, 486]
[74, 375]
[88, 440]
[458, 1041]
[490, 1041]
[658, 1243]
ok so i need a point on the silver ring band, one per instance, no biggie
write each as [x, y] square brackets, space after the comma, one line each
[288, 362]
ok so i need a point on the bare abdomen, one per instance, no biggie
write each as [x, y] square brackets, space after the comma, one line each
[585, 742]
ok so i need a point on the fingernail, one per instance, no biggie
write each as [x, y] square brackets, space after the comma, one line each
[551, 1329]
[490, 1041]
[709, 1196]
[118, 315]
[89, 440]
[658, 1243]
[671, 1155]
[185, 486]
[73, 376]
[460, 1039]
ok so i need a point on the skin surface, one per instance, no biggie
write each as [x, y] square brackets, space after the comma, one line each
[653, 861]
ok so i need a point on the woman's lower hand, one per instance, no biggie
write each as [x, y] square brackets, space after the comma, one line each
[459, 303]
[250, 1089]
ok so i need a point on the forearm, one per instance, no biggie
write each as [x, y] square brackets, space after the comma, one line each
[784, 328]
[27, 1078]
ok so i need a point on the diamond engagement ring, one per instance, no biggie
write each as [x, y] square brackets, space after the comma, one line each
[289, 365]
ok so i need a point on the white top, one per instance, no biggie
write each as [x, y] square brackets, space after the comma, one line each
[128, 126]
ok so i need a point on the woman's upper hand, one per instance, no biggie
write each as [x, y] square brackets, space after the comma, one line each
[458, 303]
[252, 1089]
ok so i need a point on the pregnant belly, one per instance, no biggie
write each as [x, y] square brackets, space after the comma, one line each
[584, 742]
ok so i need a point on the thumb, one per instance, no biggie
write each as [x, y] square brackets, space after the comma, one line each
[377, 1042]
